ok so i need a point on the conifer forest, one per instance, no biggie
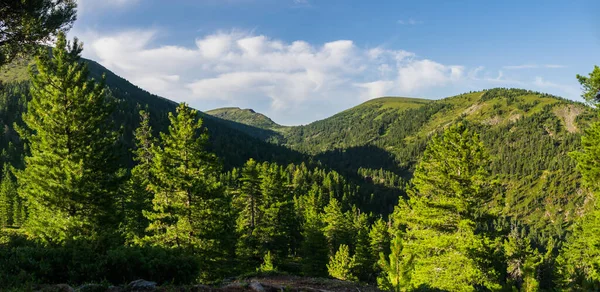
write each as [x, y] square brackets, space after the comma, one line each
[103, 183]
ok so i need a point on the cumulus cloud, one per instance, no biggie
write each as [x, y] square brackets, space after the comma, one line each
[292, 82]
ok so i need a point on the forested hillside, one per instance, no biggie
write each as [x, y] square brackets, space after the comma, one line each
[529, 135]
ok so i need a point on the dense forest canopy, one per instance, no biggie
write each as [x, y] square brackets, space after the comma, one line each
[104, 182]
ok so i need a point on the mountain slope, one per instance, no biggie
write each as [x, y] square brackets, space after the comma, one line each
[528, 134]
[227, 139]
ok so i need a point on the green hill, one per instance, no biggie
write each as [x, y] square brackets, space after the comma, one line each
[244, 116]
[529, 135]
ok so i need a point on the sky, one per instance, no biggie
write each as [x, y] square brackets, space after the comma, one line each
[298, 61]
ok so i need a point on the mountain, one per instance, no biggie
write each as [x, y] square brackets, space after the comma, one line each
[245, 116]
[227, 139]
[528, 134]
[376, 144]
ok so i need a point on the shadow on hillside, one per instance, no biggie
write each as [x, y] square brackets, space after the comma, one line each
[367, 156]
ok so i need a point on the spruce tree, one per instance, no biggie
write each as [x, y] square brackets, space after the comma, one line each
[189, 210]
[70, 178]
[450, 189]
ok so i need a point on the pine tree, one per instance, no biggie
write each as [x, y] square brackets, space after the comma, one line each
[139, 196]
[8, 198]
[341, 264]
[71, 175]
[448, 198]
[189, 210]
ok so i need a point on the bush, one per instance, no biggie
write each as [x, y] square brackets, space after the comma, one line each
[34, 263]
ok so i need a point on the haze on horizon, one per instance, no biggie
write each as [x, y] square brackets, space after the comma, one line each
[298, 61]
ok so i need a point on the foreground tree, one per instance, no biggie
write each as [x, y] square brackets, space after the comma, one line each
[25, 24]
[448, 198]
[189, 209]
[70, 177]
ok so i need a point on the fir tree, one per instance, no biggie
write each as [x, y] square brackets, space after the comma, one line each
[70, 177]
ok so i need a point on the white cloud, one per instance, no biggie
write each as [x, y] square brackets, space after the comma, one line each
[292, 82]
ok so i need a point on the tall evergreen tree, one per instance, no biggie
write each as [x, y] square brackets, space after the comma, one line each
[70, 177]
[248, 201]
[449, 194]
[139, 197]
[189, 208]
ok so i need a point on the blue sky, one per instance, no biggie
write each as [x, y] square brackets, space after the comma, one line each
[302, 60]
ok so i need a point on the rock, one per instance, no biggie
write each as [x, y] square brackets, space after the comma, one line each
[141, 285]
[257, 287]
[272, 288]
[91, 288]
